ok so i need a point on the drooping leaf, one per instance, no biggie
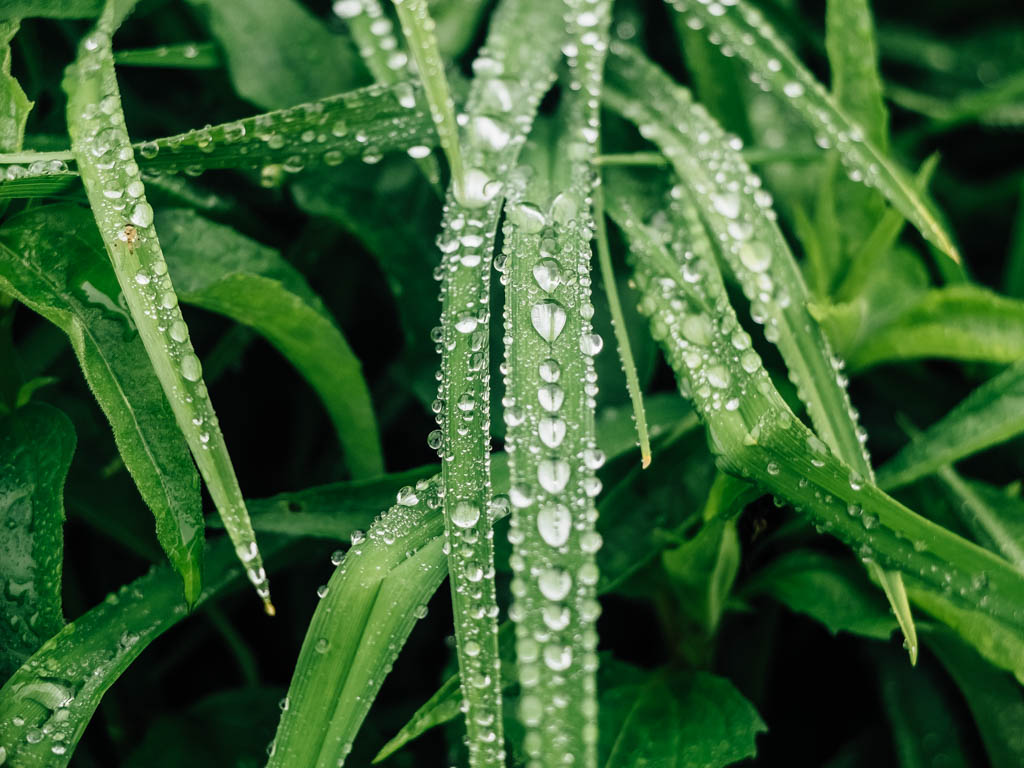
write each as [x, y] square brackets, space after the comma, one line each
[36, 444]
[124, 218]
[671, 716]
[53, 261]
[992, 414]
[217, 269]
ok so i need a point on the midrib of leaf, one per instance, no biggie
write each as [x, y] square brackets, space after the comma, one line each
[513, 71]
[744, 31]
[125, 219]
[550, 385]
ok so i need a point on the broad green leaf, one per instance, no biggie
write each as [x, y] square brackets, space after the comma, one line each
[53, 261]
[36, 444]
[54, 9]
[958, 322]
[177, 56]
[370, 606]
[47, 704]
[829, 590]
[278, 53]
[125, 221]
[996, 702]
[745, 32]
[992, 414]
[215, 268]
[16, 105]
[669, 716]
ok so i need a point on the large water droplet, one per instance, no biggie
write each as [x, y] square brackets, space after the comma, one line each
[142, 214]
[191, 369]
[548, 274]
[548, 319]
[465, 514]
[554, 584]
[553, 474]
[755, 256]
[477, 189]
[554, 523]
[551, 432]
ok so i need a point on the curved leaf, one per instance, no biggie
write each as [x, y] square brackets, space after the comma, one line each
[53, 261]
[216, 268]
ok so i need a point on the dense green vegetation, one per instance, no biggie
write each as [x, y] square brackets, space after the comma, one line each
[716, 441]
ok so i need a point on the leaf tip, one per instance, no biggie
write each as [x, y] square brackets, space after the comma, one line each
[268, 607]
[645, 459]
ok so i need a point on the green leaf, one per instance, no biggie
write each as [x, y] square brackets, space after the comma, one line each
[125, 221]
[47, 704]
[218, 269]
[958, 322]
[995, 519]
[992, 414]
[371, 604]
[36, 445]
[829, 590]
[995, 701]
[277, 53]
[177, 56]
[53, 261]
[853, 58]
[53, 9]
[16, 105]
[749, 36]
[702, 571]
[672, 716]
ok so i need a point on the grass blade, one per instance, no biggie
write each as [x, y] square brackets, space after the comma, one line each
[47, 704]
[550, 385]
[178, 56]
[991, 414]
[371, 604]
[987, 521]
[36, 445]
[853, 58]
[217, 269]
[513, 71]
[604, 259]
[65, 276]
[125, 221]
[760, 440]
[744, 31]
[418, 28]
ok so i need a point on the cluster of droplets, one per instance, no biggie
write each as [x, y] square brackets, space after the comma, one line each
[365, 123]
[114, 185]
[37, 168]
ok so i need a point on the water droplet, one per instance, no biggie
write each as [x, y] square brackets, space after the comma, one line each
[191, 369]
[591, 344]
[727, 204]
[554, 523]
[550, 397]
[550, 370]
[406, 496]
[527, 217]
[322, 645]
[548, 319]
[553, 474]
[793, 89]
[554, 584]
[142, 214]
[557, 658]
[755, 256]
[551, 431]
[548, 274]
[477, 189]
[465, 514]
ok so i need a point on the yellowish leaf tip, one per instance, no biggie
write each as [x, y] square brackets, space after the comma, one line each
[268, 607]
[645, 461]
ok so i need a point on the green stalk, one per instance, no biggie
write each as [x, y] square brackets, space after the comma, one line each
[513, 71]
[116, 193]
